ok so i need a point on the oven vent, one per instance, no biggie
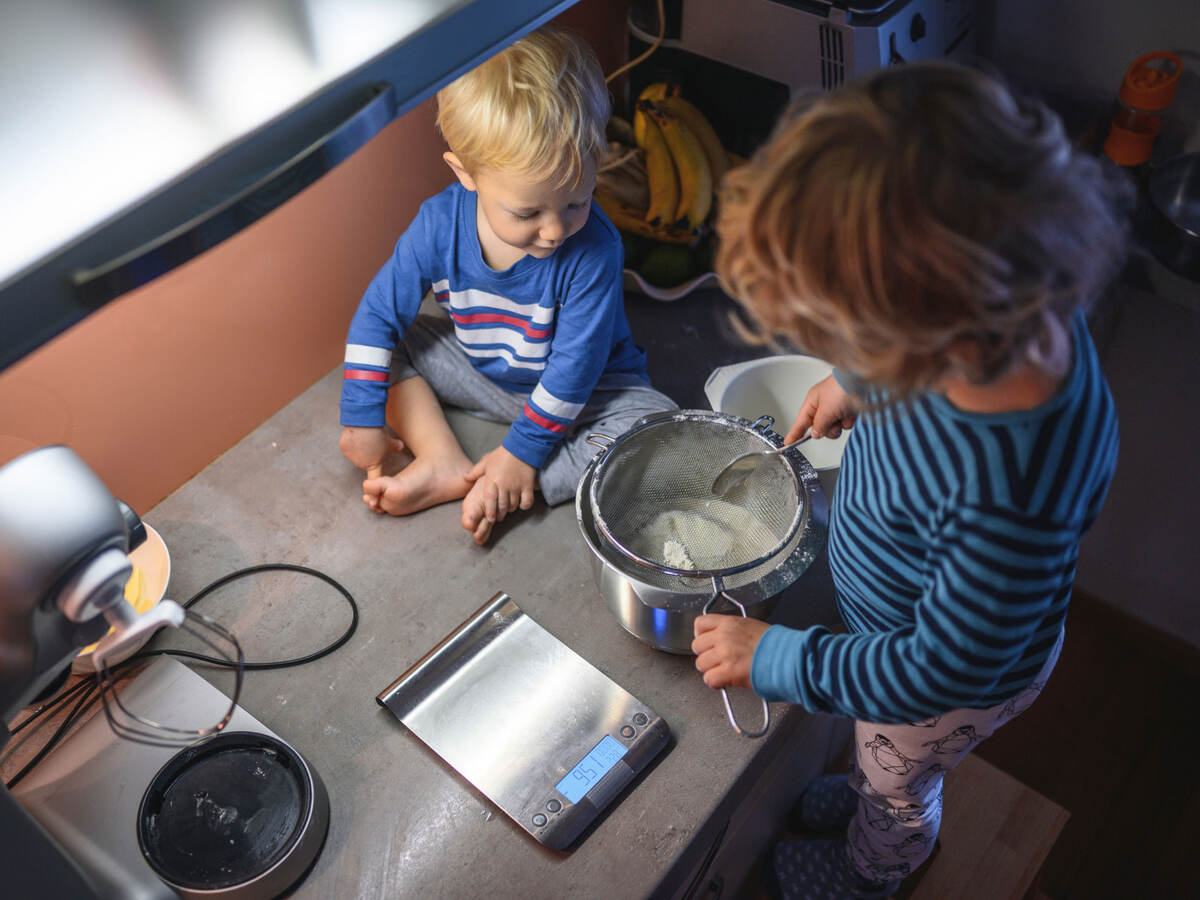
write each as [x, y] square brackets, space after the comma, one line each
[833, 60]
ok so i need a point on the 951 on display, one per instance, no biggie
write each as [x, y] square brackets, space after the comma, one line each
[593, 782]
[598, 763]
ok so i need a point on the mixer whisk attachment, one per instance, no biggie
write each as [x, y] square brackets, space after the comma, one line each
[131, 726]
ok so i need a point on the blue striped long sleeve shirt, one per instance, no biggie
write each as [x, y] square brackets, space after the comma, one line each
[953, 543]
[548, 327]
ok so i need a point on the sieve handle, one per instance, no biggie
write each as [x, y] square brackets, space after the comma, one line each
[729, 714]
[767, 423]
[603, 441]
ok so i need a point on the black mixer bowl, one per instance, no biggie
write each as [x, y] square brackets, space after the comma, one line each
[234, 815]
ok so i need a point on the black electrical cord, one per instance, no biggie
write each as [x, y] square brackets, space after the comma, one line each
[86, 690]
[53, 704]
[86, 700]
[283, 663]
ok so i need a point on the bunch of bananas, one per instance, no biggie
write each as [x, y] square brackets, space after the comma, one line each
[658, 178]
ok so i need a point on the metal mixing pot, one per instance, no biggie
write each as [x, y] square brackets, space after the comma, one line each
[1173, 189]
[660, 609]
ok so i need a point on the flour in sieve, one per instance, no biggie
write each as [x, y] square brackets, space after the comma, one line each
[675, 555]
[710, 535]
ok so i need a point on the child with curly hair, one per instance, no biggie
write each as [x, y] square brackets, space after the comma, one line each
[936, 238]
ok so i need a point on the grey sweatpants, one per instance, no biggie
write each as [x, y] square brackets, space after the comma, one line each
[429, 349]
[898, 771]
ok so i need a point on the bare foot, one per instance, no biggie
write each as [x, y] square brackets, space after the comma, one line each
[474, 517]
[398, 458]
[421, 484]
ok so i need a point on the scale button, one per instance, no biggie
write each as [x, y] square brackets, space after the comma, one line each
[539, 820]
[554, 806]
[627, 731]
[640, 719]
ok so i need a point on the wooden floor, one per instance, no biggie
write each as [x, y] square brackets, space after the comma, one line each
[1115, 739]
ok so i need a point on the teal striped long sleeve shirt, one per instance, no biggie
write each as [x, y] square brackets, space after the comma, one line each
[953, 543]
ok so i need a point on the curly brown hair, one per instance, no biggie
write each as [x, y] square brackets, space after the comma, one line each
[921, 223]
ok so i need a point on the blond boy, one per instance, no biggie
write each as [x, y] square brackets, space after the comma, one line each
[528, 273]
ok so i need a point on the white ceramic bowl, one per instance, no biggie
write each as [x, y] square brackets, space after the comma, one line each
[155, 562]
[775, 386]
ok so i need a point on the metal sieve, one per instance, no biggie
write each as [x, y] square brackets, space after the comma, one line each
[651, 496]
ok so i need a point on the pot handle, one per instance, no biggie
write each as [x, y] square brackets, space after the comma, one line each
[766, 710]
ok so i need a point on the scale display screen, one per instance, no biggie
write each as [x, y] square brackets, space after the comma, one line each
[594, 766]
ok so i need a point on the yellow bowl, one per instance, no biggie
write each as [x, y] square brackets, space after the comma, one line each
[152, 571]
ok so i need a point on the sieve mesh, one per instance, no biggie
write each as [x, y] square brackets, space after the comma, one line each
[652, 496]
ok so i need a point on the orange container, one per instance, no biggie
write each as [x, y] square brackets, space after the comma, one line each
[1146, 93]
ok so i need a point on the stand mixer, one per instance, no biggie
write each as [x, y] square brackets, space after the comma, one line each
[64, 541]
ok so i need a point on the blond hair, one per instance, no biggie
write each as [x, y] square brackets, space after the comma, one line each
[538, 108]
[920, 211]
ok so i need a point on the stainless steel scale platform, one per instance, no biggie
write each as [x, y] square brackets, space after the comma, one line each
[543, 733]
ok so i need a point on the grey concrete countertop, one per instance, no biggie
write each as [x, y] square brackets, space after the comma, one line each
[403, 822]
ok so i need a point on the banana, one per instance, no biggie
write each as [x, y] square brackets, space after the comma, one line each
[627, 184]
[694, 200]
[630, 219]
[686, 112]
[661, 176]
[655, 91]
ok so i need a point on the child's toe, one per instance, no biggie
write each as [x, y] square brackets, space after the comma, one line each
[472, 511]
[482, 532]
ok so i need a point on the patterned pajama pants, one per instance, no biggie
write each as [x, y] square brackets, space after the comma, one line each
[898, 771]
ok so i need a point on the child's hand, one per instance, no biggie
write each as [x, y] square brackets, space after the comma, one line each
[501, 484]
[367, 447]
[724, 648]
[827, 410]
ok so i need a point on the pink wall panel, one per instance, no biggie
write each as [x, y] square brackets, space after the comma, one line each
[159, 383]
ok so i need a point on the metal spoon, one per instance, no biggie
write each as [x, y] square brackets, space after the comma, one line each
[746, 465]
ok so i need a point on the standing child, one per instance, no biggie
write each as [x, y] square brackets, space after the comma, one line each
[529, 274]
[936, 239]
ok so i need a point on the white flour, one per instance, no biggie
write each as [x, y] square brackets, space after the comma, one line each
[676, 556]
[714, 535]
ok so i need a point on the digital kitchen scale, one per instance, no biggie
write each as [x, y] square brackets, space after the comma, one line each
[543, 733]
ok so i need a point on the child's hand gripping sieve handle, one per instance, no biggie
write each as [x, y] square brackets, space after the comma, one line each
[725, 691]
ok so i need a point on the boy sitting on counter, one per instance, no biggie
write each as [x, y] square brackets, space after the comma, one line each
[528, 273]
